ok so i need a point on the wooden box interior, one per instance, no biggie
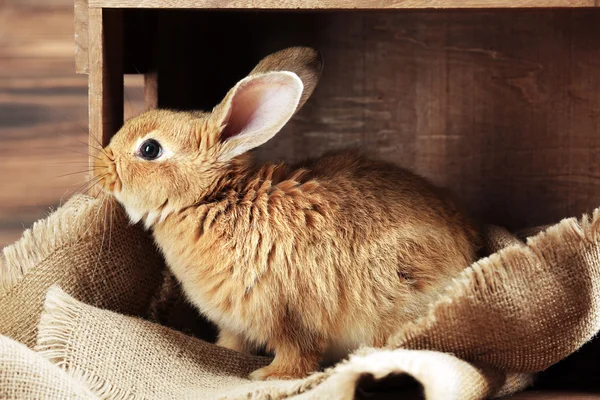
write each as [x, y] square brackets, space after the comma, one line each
[500, 106]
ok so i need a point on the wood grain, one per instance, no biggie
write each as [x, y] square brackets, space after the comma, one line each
[105, 81]
[151, 90]
[81, 36]
[43, 112]
[500, 107]
[42, 106]
[36, 5]
[338, 4]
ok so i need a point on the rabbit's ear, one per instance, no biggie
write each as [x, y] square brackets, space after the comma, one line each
[305, 62]
[255, 110]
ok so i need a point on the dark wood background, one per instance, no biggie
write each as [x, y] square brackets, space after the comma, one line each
[43, 112]
[502, 107]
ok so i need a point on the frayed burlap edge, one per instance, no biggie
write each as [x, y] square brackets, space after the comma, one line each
[584, 232]
[514, 383]
[46, 236]
[59, 320]
[60, 313]
[34, 377]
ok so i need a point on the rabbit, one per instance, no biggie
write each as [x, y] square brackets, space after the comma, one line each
[304, 260]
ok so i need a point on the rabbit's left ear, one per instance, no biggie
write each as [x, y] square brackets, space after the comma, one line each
[256, 109]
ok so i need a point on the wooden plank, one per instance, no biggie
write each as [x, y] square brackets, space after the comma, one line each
[151, 90]
[339, 4]
[81, 36]
[105, 75]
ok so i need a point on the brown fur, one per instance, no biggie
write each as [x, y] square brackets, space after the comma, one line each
[307, 260]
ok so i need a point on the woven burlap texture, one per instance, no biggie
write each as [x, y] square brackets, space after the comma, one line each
[507, 316]
[25, 374]
[72, 248]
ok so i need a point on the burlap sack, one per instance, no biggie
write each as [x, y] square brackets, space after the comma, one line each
[522, 309]
[103, 261]
[25, 374]
[130, 358]
[507, 316]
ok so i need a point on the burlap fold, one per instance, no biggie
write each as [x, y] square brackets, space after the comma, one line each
[130, 358]
[523, 308]
[503, 319]
[25, 374]
[98, 258]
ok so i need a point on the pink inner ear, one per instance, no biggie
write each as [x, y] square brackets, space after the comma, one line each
[254, 106]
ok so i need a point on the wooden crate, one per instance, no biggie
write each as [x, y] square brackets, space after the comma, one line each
[497, 100]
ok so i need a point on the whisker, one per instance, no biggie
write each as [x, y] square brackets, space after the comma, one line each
[69, 166]
[97, 140]
[98, 169]
[98, 212]
[79, 190]
[74, 173]
[88, 185]
[85, 183]
[73, 151]
[112, 209]
[71, 163]
[91, 183]
[95, 219]
[83, 128]
[86, 191]
[82, 142]
[96, 195]
[60, 203]
[86, 130]
[103, 232]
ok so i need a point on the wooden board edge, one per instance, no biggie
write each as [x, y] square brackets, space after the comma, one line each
[343, 4]
[81, 36]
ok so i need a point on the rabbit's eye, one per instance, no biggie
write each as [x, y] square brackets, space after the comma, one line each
[150, 150]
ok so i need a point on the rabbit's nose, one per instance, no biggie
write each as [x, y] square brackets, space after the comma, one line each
[104, 170]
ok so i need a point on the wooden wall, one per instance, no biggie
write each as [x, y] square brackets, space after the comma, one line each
[503, 107]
